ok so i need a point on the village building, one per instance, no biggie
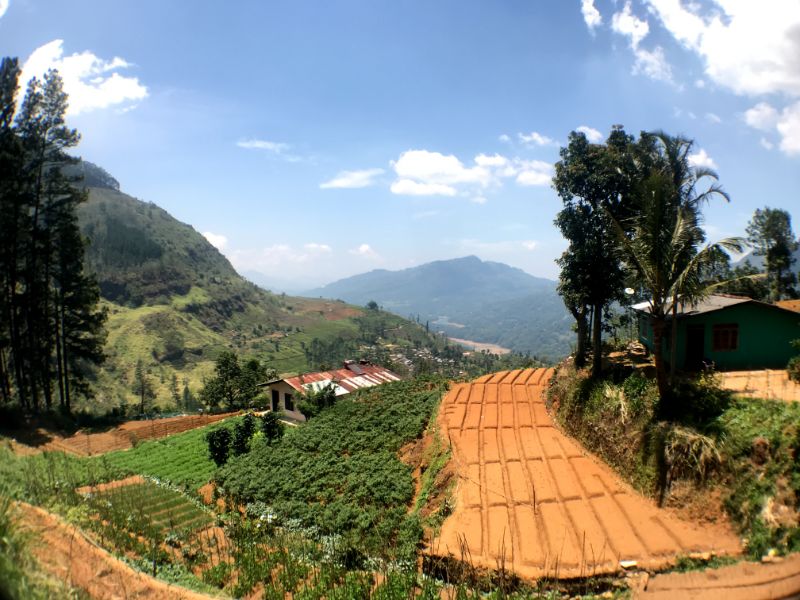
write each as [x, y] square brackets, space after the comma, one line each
[284, 393]
[730, 333]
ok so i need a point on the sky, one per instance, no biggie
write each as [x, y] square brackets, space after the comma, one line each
[311, 141]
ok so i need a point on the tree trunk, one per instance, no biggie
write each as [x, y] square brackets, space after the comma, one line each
[60, 370]
[673, 342]
[597, 341]
[658, 356]
[581, 330]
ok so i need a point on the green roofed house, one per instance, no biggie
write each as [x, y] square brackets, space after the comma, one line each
[729, 332]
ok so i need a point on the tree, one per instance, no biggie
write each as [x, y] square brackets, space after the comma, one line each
[770, 234]
[235, 385]
[314, 401]
[142, 387]
[271, 427]
[51, 331]
[219, 445]
[242, 433]
[187, 396]
[660, 239]
[173, 390]
[591, 180]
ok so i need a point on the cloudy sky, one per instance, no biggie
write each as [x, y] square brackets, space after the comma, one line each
[314, 140]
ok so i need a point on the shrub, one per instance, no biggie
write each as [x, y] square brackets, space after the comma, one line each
[219, 444]
[793, 368]
[271, 427]
[242, 432]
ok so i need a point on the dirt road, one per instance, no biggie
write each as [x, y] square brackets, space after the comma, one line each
[532, 498]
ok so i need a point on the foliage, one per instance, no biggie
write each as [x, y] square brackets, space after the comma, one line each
[591, 180]
[271, 427]
[234, 385]
[339, 473]
[770, 234]
[51, 330]
[243, 431]
[315, 400]
[219, 445]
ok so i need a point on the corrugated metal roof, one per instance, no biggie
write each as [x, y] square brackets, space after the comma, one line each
[706, 305]
[352, 377]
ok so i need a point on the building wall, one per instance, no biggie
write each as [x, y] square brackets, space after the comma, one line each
[284, 388]
[765, 336]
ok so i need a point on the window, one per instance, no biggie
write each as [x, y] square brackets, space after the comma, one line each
[725, 337]
[287, 402]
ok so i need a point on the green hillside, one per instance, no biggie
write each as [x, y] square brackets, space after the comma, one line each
[175, 302]
[472, 299]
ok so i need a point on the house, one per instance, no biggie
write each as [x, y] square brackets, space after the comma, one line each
[284, 393]
[730, 332]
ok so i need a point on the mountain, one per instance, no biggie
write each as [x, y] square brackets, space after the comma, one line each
[175, 302]
[471, 299]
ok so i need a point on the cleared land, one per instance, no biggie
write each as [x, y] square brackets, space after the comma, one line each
[531, 499]
[122, 437]
[480, 346]
[765, 383]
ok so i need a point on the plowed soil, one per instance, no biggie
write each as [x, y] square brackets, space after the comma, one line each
[63, 551]
[531, 499]
[122, 437]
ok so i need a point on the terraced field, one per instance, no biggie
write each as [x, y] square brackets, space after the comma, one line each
[532, 499]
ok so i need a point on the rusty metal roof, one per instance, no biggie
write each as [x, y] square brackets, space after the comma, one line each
[352, 377]
[793, 305]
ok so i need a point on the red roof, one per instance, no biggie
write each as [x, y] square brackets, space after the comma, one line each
[352, 377]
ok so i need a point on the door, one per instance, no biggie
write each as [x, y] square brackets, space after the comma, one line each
[275, 398]
[695, 347]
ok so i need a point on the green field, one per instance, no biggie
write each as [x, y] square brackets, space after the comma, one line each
[180, 459]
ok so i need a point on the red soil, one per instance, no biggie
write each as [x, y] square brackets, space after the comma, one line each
[532, 498]
[122, 437]
[742, 581]
[67, 554]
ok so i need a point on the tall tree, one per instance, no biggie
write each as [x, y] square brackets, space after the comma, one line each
[51, 334]
[592, 180]
[770, 234]
[143, 387]
[661, 238]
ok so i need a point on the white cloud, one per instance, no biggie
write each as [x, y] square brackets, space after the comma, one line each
[3, 7]
[592, 134]
[256, 144]
[699, 84]
[627, 24]
[535, 138]
[314, 247]
[765, 143]
[425, 173]
[762, 116]
[505, 138]
[91, 82]
[217, 240]
[353, 179]
[408, 187]
[365, 251]
[786, 123]
[746, 46]
[651, 63]
[789, 128]
[713, 118]
[479, 199]
[701, 159]
[530, 244]
[591, 15]
[496, 160]
[534, 172]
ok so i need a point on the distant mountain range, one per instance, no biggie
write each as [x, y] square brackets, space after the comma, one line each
[471, 299]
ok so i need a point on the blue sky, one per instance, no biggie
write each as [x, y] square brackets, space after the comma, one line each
[315, 140]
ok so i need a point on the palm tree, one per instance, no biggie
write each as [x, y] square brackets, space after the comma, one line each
[659, 241]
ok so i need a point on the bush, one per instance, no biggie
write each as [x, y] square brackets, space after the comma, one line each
[314, 402]
[242, 432]
[271, 427]
[219, 444]
[793, 368]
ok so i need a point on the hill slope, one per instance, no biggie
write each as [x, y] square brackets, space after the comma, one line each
[469, 298]
[175, 302]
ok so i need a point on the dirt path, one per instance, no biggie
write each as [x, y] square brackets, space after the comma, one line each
[743, 581]
[63, 551]
[530, 497]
